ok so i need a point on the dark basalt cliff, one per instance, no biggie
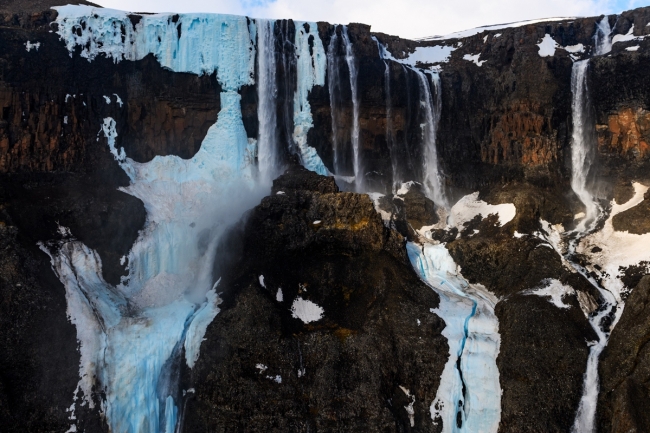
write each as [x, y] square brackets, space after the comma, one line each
[347, 372]
[505, 130]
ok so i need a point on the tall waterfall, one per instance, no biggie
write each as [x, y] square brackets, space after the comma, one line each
[432, 177]
[267, 93]
[583, 149]
[334, 86]
[352, 67]
[390, 139]
[583, 143]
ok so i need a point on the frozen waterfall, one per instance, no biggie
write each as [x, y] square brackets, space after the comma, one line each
[468, 399]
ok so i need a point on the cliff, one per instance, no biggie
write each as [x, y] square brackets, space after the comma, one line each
[407, 131]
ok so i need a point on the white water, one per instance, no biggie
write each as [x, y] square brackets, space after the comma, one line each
[603, 38]
[583, 149]
[583, 143]
[267, 93]
[469, 390]
[352, 66]
[390, 140]
[433, 180]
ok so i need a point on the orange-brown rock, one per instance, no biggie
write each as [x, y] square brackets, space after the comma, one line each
[626, 133]
[522, 134]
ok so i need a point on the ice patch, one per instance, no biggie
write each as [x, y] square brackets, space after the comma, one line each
[306, 310]
[470, 206]
[554, 290]
[474, 59]
[195, 332]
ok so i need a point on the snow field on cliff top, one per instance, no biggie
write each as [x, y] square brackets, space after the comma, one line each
[472, 331]
[170, 288]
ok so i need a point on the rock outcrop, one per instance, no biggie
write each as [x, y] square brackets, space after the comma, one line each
[324, 324]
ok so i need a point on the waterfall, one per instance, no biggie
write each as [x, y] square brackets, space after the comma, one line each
[602, 37]
[583, 143]
[334, 86]
[267, 92]
[352, 66]
[583, 149]
[390, 140]
[432, 177]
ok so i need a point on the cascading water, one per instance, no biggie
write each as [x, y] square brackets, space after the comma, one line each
[582, 144]
[603, 38]
[583, 148]
[468, 399]
[267, 93]
[432, 177]
[334, 86]
[352, 67]
[390, 139]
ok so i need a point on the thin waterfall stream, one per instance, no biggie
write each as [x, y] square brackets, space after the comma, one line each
[583, 149]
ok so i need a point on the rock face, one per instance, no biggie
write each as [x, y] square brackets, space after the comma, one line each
[324, 325]
[370, 353]
[625, 368]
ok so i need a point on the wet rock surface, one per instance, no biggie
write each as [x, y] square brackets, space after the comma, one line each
[263, 369]
[624, 401]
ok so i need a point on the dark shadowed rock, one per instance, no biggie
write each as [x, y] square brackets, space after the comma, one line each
[262, 369]
[624, 400]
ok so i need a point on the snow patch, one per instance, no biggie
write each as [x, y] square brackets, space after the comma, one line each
[618, 249]
[409, 408]
[547, 47]
[261, 279]
[470, 206]
[306, 310]
[279, 296]
[635, 48]
[554, 290]
[474, 59]
[29, 46]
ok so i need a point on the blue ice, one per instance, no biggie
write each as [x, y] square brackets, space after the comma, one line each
[130, 334]
[472, 332]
